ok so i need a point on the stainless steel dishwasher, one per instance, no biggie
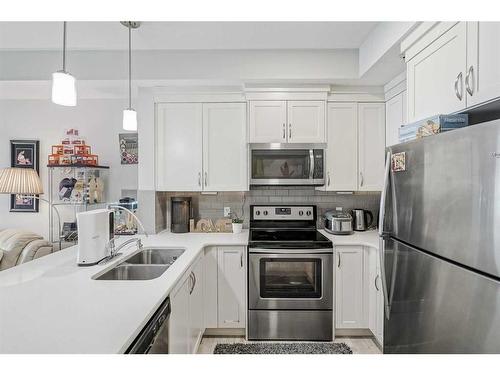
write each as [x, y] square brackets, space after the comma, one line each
[153, 339]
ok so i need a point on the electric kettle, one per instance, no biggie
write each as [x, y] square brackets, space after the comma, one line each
[362, 219]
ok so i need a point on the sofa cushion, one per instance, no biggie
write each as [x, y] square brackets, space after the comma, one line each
[12, 243]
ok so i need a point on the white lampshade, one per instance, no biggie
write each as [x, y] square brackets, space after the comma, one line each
[24, 181]
[63, 89]
[130, 119]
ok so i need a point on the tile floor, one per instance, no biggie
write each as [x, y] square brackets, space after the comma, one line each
[359, 345]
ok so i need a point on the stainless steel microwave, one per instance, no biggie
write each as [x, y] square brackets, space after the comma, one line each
[287, 164]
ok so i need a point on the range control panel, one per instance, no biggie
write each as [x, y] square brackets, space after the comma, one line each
[283, 212]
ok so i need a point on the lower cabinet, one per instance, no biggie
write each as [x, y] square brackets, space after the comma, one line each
[375, 296]
[186, 325]
[225, 287]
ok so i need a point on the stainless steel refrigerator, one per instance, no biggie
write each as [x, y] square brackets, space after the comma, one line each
[440, 243]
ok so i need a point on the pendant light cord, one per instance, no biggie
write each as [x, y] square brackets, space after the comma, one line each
[129, 67]
[64, 47]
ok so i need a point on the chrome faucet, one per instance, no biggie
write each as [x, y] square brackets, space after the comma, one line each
[113, 250]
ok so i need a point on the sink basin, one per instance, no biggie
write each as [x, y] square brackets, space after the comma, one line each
[155, 256]
[133, 272]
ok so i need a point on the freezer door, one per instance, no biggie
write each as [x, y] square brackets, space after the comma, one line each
[437, 307]
[447, 198]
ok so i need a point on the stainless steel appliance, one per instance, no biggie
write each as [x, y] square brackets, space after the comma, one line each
[181, 213]
[287, 164]
[440, 242]
[362, 219]
[153, 339]
[290, 275]
[338, 222]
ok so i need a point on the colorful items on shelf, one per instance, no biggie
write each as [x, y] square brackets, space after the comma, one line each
[72, 150]
[431, 126]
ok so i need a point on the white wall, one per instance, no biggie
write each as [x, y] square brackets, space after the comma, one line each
[99, 121]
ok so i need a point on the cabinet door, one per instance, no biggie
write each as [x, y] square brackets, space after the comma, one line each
[196, 306]
[306, 121]
[179, 324]
[342, 151]
[224, 147]
[267, 121]
[435, 76]
[395, 116]
[483, 61]
[210, 298]
[178, 146]
[371, 146]
[349, 296]
[231, 287]
[379, 316]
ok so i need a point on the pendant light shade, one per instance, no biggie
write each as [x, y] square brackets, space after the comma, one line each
[63, 83]
[130, 120]
[63, 89]
[129, 114]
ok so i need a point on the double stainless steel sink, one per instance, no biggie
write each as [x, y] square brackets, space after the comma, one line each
[147, 264]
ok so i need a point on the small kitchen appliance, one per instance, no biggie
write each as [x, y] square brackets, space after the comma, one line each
[338, 222]
[95, 230]
[181, 213]
[290, 275]
[362, 219]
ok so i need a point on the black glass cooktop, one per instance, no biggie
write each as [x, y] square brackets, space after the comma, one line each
[288, 238]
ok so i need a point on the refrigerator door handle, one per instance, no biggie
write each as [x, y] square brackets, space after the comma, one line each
[384, 193]
[387, 306]
[381, 234]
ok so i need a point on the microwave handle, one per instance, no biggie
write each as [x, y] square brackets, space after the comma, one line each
[312, 166]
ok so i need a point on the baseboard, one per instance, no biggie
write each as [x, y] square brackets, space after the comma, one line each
[224, 332]
[353, 332]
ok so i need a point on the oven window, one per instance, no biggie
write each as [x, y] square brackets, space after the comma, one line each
[290, 278]
[282, 164]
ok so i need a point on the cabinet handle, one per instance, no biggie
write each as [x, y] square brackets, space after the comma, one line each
[206, 179]
[375, 282]
[193, 281]
[241, 260]
[362, 179]
[468, 86]
[328, 178]
[338, 263]
[284, 131]
[199, 179]
[289, 131]
[459, 94]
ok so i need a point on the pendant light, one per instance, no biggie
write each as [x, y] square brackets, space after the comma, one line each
[63, 83]
[129, 114]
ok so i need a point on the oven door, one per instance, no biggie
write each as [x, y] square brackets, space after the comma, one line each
[287, 167]
[290, 281]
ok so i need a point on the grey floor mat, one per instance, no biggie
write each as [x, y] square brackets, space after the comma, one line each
[283, 348]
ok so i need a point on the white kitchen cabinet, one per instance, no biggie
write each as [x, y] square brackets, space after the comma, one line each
[306, 121]
[482, 78]
[186, 325]
[179, 147]
[395, 116]
[376, 299]
[179, 340]
[435, 76]
[224, 147]
[371, 146]
[210, 295]
[293, 121]
[342, 151]
[231, 287]
[201, 147]
[349, 287]
[268, 121]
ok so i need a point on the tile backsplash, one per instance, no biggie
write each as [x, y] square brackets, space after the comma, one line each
[211, 206]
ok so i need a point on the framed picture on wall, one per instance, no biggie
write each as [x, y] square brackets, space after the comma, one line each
[24, 154]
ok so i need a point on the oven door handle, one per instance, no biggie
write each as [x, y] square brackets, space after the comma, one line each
[291, 251]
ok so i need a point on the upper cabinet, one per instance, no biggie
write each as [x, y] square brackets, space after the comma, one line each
[281, 121]
[482, 79]
[201, 147]
[436, 75]
[395, 117]
[451, 67]
[356, 143]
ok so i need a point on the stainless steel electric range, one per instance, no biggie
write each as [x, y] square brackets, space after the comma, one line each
[290, 275]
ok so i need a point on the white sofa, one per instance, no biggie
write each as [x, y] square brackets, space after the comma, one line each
[19, 246]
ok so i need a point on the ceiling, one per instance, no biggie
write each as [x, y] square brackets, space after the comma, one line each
[185, 35]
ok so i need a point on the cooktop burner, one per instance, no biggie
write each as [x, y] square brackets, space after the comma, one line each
[288, 238]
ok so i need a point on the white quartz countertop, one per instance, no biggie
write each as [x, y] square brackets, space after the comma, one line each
[51, 305]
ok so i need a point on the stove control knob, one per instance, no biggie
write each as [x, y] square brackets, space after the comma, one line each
[265, 213]
[257, 213]
[301, 213]
[308, 213]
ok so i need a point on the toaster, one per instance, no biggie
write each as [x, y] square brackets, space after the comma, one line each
[337, 222]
